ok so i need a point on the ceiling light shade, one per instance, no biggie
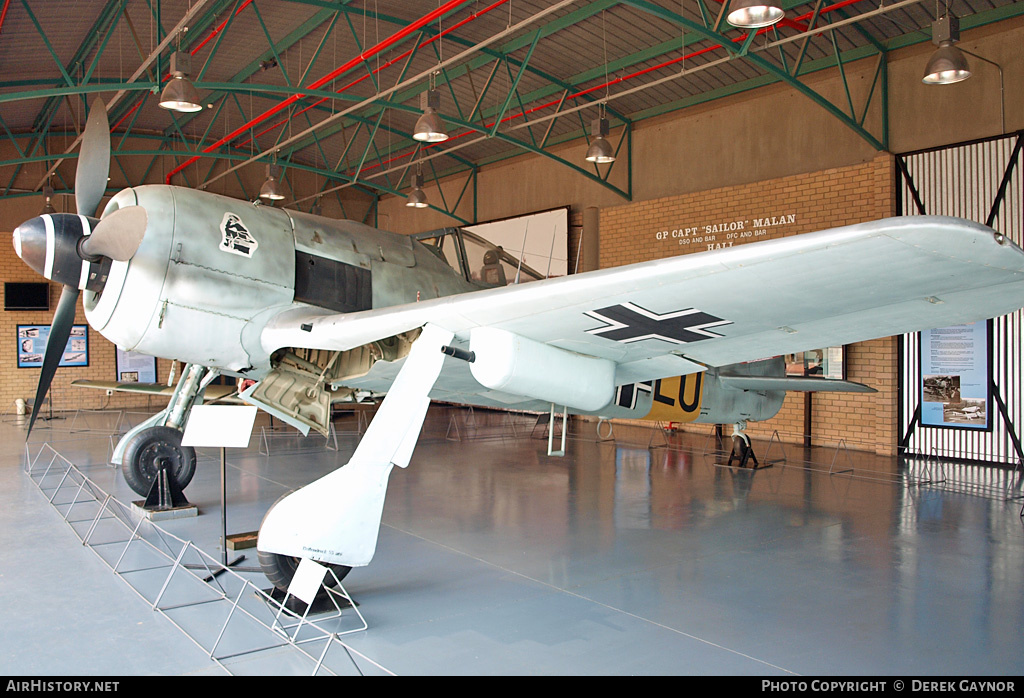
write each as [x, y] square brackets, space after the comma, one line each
[416, 198]
[600, 150]
[271, 189]
[430, 126]
[751, 14]
[946, 66]
[179, 93]
[48, 196]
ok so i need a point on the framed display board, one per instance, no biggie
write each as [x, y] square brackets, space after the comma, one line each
[829, 362]
[956, 376]
[133, 367]
[32, 341]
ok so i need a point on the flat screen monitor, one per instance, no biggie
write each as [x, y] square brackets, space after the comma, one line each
[26, 296]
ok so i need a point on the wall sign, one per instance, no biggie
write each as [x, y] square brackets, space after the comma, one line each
[32, 341]
[133, 367]
[721, 234]
[956, 376]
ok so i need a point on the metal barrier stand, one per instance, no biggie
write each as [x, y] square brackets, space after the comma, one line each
[222, 611]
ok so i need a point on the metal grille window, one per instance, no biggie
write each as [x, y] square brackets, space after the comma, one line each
[979, 181]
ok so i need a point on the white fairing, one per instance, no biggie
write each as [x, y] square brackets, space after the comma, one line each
[336, 519]
[512, 364]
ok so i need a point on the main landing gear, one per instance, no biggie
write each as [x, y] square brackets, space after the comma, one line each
[149, 450]
[336, 520]
[156, 443]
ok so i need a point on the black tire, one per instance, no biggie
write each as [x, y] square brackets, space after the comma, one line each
[739, 447]
[280, 569]
[147, 450]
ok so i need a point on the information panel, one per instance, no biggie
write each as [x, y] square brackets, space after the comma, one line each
[32, 341]
[956, 376]
[133, 367]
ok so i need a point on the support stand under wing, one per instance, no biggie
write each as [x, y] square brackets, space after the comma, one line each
[336, 519]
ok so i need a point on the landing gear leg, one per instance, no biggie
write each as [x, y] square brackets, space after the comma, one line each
[336, 519]
[157, 441]
[742, 452]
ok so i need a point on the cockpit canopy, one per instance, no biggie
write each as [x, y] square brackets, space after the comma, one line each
[476, 259]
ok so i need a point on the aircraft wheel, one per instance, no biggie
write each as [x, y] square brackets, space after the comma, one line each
[148, 450]
[739, 447]
[280, 569]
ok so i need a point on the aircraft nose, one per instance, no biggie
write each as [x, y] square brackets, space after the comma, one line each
[30, 243]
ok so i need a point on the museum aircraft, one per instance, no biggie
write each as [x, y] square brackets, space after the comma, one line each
[315, 311]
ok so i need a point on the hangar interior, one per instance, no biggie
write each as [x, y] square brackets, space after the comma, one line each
[872, 541]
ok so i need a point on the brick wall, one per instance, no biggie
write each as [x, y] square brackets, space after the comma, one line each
[21, 382]
[800, 204]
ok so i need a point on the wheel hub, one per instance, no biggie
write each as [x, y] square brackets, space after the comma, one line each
[156, 454]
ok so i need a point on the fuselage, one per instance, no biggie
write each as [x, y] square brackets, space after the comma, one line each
[212, 270]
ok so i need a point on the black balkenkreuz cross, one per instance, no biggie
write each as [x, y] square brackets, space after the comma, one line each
[627, 323]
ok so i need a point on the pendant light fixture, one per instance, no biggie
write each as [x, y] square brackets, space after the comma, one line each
[180, 94]
[753, 14]
[600, 150]
[947, 64]
[430, 126]
[417, 198]
[48, 200]
[271, 189]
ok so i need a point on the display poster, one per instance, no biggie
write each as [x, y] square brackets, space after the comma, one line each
[829, 362]
[32, 341]
[956, 376]
[133, 367]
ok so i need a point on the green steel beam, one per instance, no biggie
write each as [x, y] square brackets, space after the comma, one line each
[46, 42]
[764, 65]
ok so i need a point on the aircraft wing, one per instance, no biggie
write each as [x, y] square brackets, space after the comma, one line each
[678, 315]
[213, 393]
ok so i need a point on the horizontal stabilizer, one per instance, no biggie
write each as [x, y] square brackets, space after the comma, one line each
[804, 384]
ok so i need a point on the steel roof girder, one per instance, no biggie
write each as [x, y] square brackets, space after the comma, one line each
[763, 64]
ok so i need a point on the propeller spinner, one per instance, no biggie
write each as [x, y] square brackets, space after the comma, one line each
[76, 250]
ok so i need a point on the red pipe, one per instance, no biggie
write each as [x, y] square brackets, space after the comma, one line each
[3, 13]
[390, 63]
[796, 21]
[220, 27]
[341, 70]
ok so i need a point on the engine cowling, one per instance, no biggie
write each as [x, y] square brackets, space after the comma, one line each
[208, 268]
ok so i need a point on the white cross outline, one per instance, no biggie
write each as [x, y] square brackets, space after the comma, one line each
[638, 388]
[616, 325]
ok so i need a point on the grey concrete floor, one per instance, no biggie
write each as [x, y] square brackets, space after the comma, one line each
[617, 559]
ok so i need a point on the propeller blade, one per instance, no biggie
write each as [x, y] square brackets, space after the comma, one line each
[93, 160]
[117, 235]
[60, 330]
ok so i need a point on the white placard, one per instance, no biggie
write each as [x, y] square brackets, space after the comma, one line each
[307, 580]
[228, 426]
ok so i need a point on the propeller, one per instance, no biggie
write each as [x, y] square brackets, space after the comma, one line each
[55, 245]
[93, 160]
[117, 235]
[60, 331]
